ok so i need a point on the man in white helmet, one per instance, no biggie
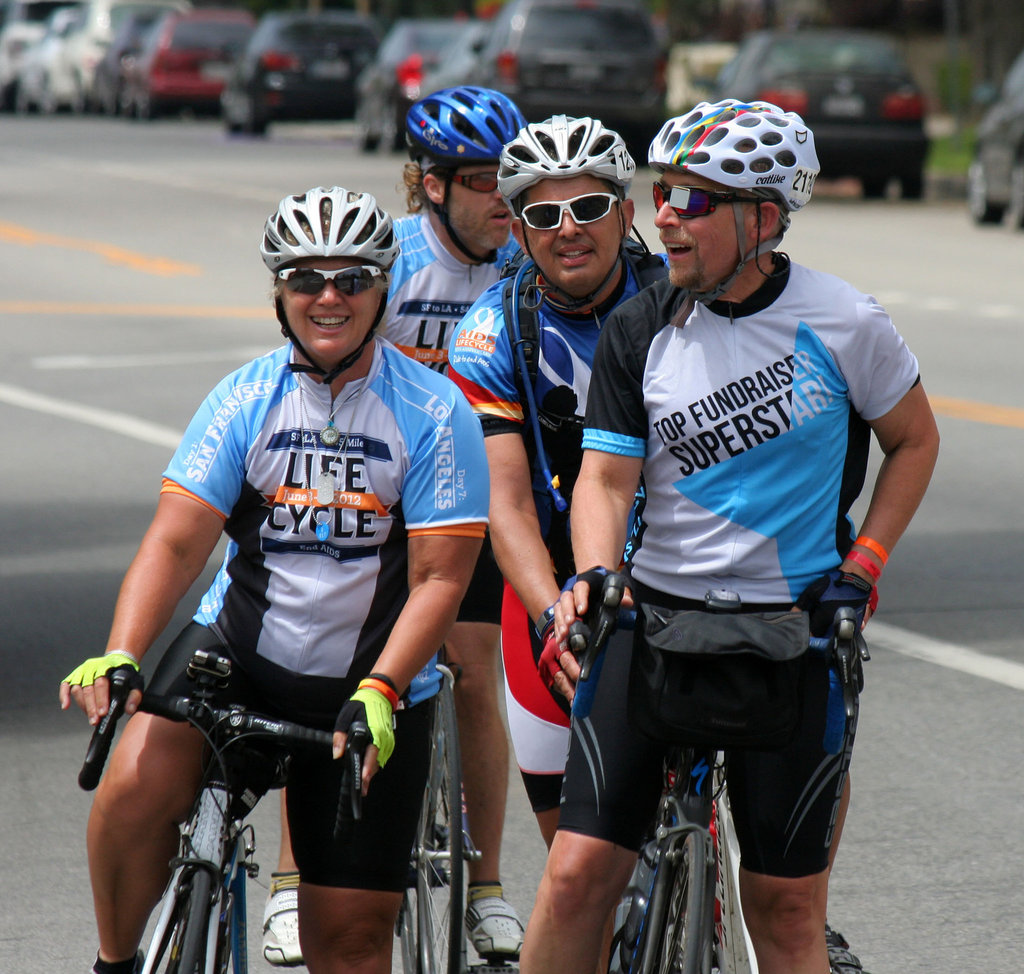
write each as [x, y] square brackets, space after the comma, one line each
[567, 181]
[744, 391]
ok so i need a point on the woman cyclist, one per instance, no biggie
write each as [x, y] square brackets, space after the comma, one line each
[331, 464]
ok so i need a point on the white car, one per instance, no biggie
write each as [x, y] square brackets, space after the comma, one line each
[86, 44]
[22, 23]
[36, 90]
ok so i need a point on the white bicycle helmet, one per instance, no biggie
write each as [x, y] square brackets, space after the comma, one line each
[754, 146]
[559, 148]
[333, 222]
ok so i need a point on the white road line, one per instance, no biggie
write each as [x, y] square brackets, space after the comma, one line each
[949, 655]
[239, 355]
[120, 423]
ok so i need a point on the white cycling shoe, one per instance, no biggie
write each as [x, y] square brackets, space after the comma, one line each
[281, 923]
[494, 928]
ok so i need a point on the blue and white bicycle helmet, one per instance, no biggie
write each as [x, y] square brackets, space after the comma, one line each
[753, 146]
[456, 126]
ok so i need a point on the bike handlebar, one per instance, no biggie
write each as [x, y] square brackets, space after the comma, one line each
[234, 721]
[356, 743]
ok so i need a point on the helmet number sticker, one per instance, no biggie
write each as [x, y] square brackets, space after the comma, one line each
[803, 181]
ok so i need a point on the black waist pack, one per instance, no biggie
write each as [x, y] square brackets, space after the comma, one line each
[704, 679]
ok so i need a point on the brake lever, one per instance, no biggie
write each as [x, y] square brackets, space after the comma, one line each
[357, 741]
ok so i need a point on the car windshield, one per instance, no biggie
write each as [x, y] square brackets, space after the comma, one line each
[861, 55]
[322, 34]
[209, 35]
[424, 38]
[39, 13]
[143, 12]
[589, 28]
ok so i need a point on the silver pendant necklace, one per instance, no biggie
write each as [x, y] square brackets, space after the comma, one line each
[326, 481]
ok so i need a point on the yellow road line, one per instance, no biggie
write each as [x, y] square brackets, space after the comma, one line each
[978, 412]
[161, 266]
[143, 310]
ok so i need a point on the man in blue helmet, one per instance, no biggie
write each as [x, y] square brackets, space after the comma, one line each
[454, 243]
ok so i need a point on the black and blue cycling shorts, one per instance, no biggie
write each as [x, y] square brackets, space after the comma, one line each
[372, 853]
[784, 803]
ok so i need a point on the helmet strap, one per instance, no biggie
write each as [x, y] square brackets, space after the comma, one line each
[441, 209]
[762, 246]
[565, 301]
[327, 376]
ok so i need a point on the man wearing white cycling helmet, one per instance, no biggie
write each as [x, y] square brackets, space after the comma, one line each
[453, 245]
[743, 391]
[567, 180]
[349, 552]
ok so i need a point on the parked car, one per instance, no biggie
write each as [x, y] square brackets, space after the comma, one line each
[995, 178]
[22, 23]
[107, 94]
[185, 61]
[457, 61]
[393, 80]
[855, 91]
[35, 90]
[84, 46]
[298, 65]
[579, 57]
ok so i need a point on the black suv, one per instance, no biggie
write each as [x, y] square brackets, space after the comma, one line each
[995, 179]
[600, 58]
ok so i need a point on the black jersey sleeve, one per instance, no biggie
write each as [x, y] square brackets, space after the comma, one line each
[615, 402]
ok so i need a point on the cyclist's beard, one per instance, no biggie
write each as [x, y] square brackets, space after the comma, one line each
[476, 230]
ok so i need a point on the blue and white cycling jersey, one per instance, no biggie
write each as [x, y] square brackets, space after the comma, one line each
[431, 291]
[751, 421]
[409, 462]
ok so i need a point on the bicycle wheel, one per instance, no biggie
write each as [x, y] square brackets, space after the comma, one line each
[430, 923]
[733, 951]
[179, 943]
[681, 915]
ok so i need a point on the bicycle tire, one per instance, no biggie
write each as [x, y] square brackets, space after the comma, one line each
[732, 950]
[430, 924]
[678, 938]
[180, 946]
[196, 924]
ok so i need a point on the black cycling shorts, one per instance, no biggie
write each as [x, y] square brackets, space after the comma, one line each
[372, 853]
[784, 803]
[482, 602]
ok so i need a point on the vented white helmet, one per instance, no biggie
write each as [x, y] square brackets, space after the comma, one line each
[333, 222]
[561, 147]
[754, 146]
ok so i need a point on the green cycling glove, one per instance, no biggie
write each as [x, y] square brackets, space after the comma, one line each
[88, 672]
[374, 709]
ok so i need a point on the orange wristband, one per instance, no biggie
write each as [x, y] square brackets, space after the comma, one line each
[388, 692]
[866, 563]
[874, 547]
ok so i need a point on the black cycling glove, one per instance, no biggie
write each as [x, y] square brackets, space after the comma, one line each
[824, 596]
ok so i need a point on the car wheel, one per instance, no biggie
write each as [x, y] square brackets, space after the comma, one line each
[1015, 211]
[912, 186]
[22, 103]
[980, 207]
[874, 187]
[145, 107]
[255, 123]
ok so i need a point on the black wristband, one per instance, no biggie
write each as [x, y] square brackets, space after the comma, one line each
[384, 678]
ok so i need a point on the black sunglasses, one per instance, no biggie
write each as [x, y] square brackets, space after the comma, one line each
[582, 209]
[479, 182]
[687, 202]
[312, 280]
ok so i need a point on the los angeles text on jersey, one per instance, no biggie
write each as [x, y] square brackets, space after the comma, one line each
[744, 413]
